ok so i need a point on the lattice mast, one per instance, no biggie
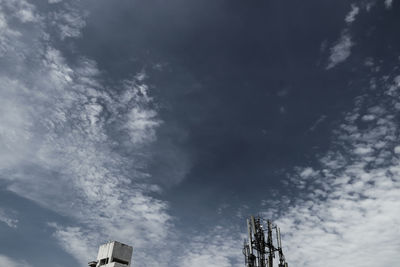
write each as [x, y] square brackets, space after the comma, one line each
[259, 249]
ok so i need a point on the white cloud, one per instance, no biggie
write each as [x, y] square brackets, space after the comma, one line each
[320, 120]
[388, 4]
[70, 21]
[397, 80]
[282, 92]
[363, 150]
[368, 117]
[351, 16]
[76, 241]
[22, 10]
[8, 217]
[9, 262]
[141, 121]
[57, 127]
[26, 15]
[308, 172]
[353, 203]
[341, 50]
[61, 136]
[369, 62]
[218, 248]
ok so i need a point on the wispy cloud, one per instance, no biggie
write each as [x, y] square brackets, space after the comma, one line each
[9, 262]
[351, 16]
[218, 248]
[351, 201]
[8, 217]
[320, 120]
[54, 1]
[341, 50]
[70, 144]
[388, 4]
[69, 21]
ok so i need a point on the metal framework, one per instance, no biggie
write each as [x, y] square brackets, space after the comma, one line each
[259, 249]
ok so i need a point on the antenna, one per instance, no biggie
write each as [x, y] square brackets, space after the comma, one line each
[270, 245]
[259, 249]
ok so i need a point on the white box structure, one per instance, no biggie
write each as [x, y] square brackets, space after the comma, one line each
[113, 254]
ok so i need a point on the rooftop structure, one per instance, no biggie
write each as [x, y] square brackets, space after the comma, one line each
[113, 254]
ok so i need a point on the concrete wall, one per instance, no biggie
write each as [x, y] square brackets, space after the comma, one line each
[122, 252]
[114, 264]
[113, 254]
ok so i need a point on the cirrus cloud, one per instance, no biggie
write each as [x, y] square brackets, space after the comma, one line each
[71, 144]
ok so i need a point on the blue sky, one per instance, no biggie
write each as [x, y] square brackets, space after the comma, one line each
[164, 124]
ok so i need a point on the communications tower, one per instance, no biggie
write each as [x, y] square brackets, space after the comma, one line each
[259, 249]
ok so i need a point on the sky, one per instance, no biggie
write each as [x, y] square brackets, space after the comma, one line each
[165, 124]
